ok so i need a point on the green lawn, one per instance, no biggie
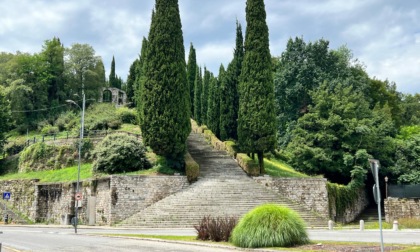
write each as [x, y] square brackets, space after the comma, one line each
[278, 168]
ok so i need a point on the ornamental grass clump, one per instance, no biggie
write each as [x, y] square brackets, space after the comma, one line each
[270, 225]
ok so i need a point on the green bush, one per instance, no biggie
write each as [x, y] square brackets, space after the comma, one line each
[67, 121]
[118, 153]
[49, 129]
[127, 115]
[41, 156]
[215, 229]
[87, 148]
[102, 116]
[270, 225]
[192, 169]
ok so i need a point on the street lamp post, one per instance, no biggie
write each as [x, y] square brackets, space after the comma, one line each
[374, 164]
[82, 121]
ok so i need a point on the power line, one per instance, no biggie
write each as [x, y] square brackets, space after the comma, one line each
[35, 110]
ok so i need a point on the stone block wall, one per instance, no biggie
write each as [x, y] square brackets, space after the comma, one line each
[23, 197]
[54, 202]
[310, 192]
[130, 194]
[353, 211]
[116, 198]
[399, 208]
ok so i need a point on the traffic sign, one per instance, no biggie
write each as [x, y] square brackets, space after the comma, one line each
[6, 195]
[78, 196]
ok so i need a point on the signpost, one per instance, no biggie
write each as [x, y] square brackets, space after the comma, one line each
[6, 196]
[374, 165]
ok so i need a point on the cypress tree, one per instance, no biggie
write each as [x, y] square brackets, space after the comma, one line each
[112, 76]
[198, 86]
[211, 123]
[256, 121]
[131, 83]
[166, 104]
[191, 74]
[140, 77]
[229, 105]
[205, 96]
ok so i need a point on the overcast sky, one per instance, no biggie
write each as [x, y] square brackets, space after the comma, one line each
[383, 34]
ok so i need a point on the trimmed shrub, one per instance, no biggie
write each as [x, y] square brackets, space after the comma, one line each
[270, 225]
[231, 148]
[192, 169]
[249, 165]
[215, 229]
[118, 153]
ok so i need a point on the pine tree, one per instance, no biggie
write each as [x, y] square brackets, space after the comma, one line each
[191, 72]
[112, 77]
[256, 121]
[166, 104]
[198, 86]
[205, 96]
[229, 105]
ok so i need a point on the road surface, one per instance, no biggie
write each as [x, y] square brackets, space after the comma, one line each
[63, 238]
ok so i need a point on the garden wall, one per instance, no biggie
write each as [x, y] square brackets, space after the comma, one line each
[401, 208]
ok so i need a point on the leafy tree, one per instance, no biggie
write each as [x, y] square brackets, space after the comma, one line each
[80, 63]
[406, 169]
[410, 109]
[198, 87]
[330, 137]
[5, 118]
[385, 93]
[166, 103]
[256, 121]
[119, 153]
[229, 105]
[205, 96]
[191, 74]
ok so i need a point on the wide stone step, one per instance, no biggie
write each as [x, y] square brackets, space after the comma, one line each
[222, 189]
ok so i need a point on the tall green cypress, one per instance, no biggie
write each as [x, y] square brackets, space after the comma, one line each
[191, 72]
[131, 83]
[166, 105]
[112, 77]
[256, 121]
[140, 77]
[229, 105]
[205, 96]
[198, 83]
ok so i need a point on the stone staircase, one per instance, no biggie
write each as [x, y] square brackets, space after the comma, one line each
[222, 189]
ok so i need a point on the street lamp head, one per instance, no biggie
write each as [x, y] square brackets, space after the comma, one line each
[386, 179]
[73, 102]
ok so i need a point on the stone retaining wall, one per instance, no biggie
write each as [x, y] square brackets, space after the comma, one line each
[114, 198]
[401, 208]
[310, 192]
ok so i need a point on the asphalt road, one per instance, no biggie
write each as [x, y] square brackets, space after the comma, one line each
[63, 238]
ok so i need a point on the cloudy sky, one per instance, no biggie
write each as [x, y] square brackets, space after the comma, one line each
[383, 34]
